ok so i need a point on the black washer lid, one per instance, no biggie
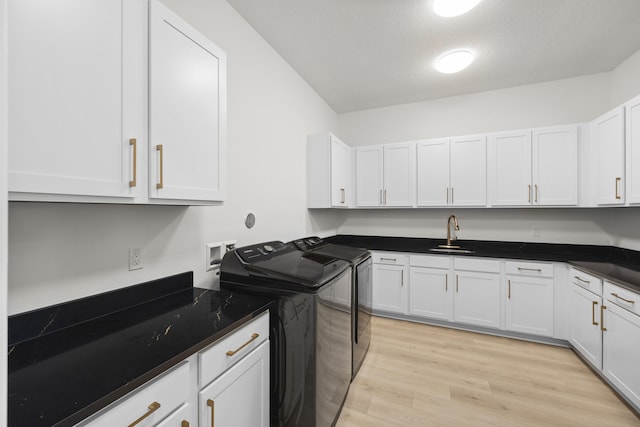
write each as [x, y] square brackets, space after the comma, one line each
[346, 253]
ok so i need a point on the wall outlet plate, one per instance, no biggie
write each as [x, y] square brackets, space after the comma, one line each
[135, 259]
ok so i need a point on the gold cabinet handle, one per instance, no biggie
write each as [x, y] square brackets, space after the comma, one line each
[402, 278]
[539, 270]
[618, 180]
[133, 142]
[452, 202]
[152, 408]
[602, 309]
[630, 301]
[509, 289]
[184, 423]
[385, 197]
[446, 283]
[211, 404]
[593, 313]
[581, 280]
[536, 199]
[456, 283]
[253, 338]
[160, 150]
[388, 259]
[344, 196]
[529, 193]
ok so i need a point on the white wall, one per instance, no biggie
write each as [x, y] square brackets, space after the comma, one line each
[558, 102]
[3, 210]
[625, 80]
[65, 251]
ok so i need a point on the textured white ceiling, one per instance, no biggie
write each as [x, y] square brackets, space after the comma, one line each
[360, 54]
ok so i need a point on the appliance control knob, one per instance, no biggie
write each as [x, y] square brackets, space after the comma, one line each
[268, 248]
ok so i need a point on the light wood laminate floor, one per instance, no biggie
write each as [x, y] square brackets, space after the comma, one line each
[421, 375]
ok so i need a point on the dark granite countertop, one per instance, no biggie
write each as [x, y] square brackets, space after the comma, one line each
[68, 361]
[618, 265]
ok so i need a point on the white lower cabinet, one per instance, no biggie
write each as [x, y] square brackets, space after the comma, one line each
[621, 340]
[240, 396]
[585, 308]
[529, 300]
[430, 287]
[477, 298]
[390, 292]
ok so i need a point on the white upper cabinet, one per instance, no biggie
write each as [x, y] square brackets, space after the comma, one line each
[187, 111]
[88, 82]
[385, 175]
[469, 171]
[77, 74]
[607, 132]
[328, 172]
[452, 172]
[632, 115]
[510, 168]
[534, 167]
[433, 172]
[555, 166]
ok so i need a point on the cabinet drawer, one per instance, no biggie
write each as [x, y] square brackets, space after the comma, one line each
[158, 398]
[585, 280]
[537, 269]
[429, 261]
[389, 258]
[622, 297]
[225, 353]
[477, 264]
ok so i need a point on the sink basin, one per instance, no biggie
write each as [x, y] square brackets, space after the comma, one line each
[452, 250]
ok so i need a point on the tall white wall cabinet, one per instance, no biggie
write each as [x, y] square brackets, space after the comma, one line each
[329, 172]
[82, 78]
[607, 132]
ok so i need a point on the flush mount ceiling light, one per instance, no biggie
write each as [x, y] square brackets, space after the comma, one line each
[454, 61]
[451, 8]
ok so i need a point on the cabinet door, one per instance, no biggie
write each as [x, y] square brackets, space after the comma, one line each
[469, 171]
[240, 396]
[181, 417]
[429, 293]
[510, 168]
[340, 156]
[584, 317]
[187, 111]
[369, 176]
[433, 172]
[621, 351]
[608, 136]
[76, 96]
[399, 175]
[529, 307]
[555, 166]
[632, 141]
[389, 292]
[477, 299]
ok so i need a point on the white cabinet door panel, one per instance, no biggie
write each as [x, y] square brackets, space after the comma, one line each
[469, 171]
[608, 134]
[530, 305]
[621, 348]
[389, 293]
[429, 291]
[187, 111]
[510, 168]
[555, 166]
[584, 317]
[340, 188]
[399, 175]
[632, 119]
[433, 172]
[62, 59]
[477, 299]
[369, 176]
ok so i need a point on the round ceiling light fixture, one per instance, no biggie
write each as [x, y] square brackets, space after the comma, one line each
[451, 8]
[454, 61]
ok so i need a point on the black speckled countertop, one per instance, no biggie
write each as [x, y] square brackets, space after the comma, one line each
[68, 361]
[621, 266]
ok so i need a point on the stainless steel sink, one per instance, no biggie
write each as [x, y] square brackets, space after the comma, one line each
[452, 250]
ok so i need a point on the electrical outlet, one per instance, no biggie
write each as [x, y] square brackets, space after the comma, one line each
[135, 259]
